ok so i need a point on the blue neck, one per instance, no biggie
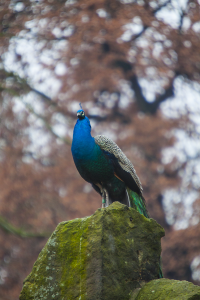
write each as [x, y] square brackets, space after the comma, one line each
[83, 143]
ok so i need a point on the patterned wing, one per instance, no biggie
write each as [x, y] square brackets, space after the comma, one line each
[125, 169]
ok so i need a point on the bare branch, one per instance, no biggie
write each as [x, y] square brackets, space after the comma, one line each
[8, 227]
[142, 102]
[161, 6]
[47, 124]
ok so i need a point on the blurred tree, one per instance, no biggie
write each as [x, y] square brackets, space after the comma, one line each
[135, 66]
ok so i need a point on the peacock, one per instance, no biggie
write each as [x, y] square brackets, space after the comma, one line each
[103, 164]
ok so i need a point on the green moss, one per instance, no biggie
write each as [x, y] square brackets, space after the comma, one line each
[50, 277]
[104, 256]
[166, 289]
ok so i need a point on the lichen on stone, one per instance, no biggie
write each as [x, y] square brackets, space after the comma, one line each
[104, 256]
[166, 289]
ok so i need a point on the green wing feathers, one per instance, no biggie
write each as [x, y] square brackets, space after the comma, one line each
[137, 202]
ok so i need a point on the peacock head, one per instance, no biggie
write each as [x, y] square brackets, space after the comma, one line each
[85, 122]
[81, 114]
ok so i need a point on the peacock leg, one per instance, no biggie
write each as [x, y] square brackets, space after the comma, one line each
[128, 199]
[104, 200]
[107, 197]
[103, 195]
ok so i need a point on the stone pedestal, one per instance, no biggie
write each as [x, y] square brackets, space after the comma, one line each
[102, 257]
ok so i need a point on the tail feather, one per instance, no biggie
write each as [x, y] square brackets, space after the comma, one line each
[160, 269]
[138, 202]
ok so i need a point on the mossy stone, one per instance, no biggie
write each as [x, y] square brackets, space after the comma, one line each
[166, 289]
[104, 256]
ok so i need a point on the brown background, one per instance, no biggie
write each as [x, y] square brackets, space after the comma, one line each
[83, 49]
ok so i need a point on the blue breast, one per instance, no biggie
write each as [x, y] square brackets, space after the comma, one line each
[92, 164]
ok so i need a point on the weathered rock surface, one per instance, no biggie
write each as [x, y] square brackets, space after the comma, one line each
[105, 256]
[166, 289]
